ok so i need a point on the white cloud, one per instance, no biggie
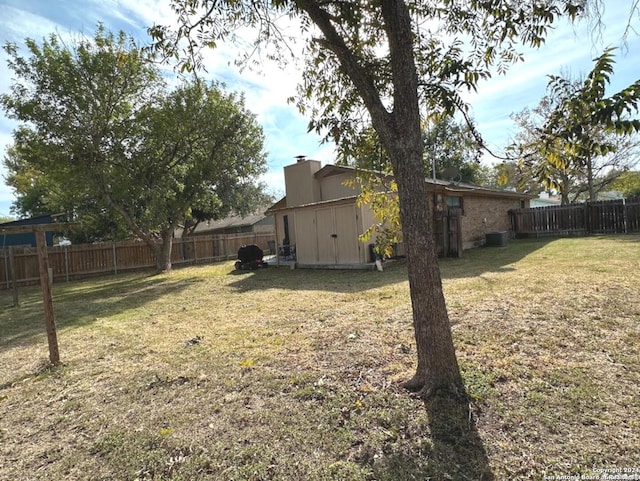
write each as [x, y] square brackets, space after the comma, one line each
[17, 23]
[274, 182]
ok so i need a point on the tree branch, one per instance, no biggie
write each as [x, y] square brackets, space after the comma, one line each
[335, 43]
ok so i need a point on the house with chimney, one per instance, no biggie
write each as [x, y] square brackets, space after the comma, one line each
[318, 223]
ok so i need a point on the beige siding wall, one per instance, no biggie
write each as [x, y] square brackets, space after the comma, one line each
[333, 187]
[485, 214]
[306, 238]
[367, 219]
[324, 230]
[315, 228]
[300, 184]
[347, 244]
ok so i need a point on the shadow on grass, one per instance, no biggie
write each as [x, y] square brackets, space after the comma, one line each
[456, 451]
[625, 238]
[45, 368]
[472, 264]
[83, 302]
[481, 260]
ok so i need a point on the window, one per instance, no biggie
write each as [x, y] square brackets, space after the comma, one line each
[455, 202]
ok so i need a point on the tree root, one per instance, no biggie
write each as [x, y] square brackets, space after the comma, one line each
[428, 390]
[450, 392]
[415, 384]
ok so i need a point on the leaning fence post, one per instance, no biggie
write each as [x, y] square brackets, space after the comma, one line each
[49, 319]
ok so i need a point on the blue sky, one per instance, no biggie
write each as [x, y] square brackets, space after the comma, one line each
[568, 49]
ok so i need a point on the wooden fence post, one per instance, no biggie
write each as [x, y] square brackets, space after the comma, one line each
[115, 261]
[195, 251]
[49, 318]
[5, 253]
[14, 281]
[587, 221]
[66, 263]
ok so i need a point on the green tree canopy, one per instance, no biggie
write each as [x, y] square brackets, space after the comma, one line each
[513, 175]
[571, 141]
[573, 179]
[452, 148]
[628, 183]
[102, 135]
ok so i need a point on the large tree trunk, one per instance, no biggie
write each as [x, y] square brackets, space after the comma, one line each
[565, 186]
[163, 254]
[399, 131]
[437, 364]
[163, 261]
[590, 185]
[161, 251]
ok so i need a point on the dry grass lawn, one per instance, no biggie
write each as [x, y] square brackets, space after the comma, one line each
[283, 374]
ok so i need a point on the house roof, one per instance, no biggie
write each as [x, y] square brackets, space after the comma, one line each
[39, 219]
[446, 185]
[229, 222]
[282, 204]
[437, 185]
[462, 187]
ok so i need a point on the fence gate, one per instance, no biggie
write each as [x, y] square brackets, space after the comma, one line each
[447, 233]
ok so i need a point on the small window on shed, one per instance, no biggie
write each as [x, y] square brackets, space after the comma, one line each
[455, 202]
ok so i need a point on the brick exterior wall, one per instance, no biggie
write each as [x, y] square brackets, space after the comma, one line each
[485, 214]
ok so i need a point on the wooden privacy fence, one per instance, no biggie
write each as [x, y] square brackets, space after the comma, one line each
[85, 260]
[602, 217]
